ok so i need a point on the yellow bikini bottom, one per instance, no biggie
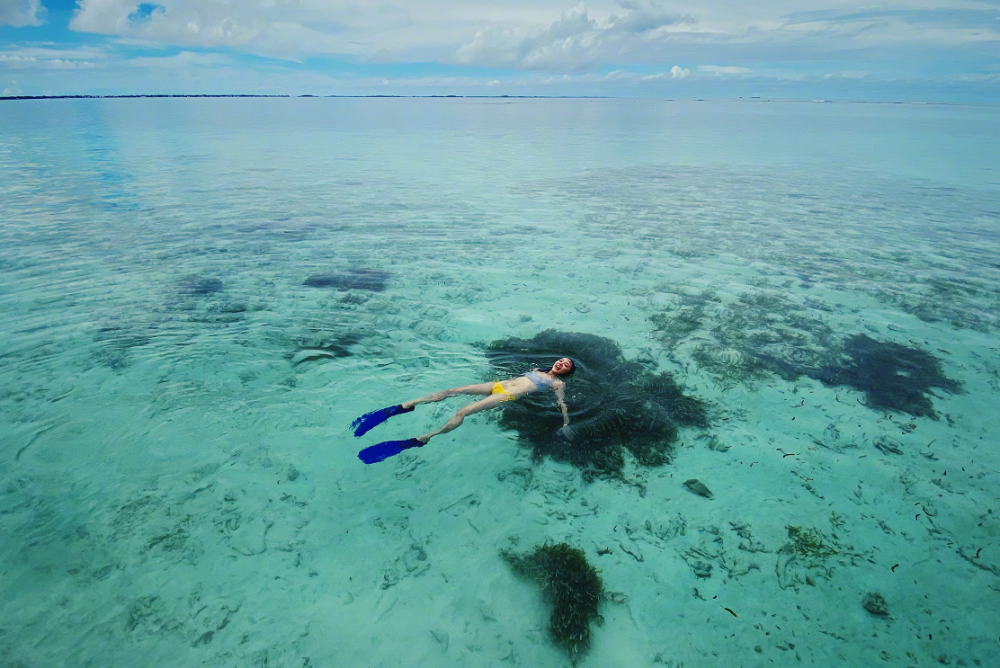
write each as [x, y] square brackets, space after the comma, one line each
[498, 389]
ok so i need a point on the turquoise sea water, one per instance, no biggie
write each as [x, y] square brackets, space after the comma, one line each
[179, 484]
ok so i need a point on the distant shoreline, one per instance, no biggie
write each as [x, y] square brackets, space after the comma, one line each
[758, 98]
[107, 97]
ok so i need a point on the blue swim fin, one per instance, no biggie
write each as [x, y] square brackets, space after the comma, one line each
[386, 449]
[366, 422]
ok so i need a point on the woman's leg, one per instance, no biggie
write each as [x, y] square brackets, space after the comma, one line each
[456, 421]
[481, 388]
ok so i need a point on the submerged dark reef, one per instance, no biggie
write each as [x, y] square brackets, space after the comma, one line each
[372, 280]
[615, 405]
[570, 584]
[199, 285]
[892, 376]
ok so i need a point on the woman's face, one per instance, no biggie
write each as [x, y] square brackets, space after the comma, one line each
[564, 365]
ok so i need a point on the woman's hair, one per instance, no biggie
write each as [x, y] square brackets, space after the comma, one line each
[571, 371]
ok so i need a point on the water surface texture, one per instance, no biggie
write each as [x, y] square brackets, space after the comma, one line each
[198, 296]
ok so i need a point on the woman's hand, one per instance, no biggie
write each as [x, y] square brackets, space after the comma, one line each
[567, 431]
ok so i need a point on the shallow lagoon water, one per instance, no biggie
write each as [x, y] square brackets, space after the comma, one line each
[179, 484]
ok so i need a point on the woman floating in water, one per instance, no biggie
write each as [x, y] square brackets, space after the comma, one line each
[499, 392]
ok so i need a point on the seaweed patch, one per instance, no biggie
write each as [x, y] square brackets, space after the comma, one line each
[570, 584]
[892, 376]
[806, 556]
[762, 333]
[615, 404]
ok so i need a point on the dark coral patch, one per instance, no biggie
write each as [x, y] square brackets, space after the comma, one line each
[615, 405]
[570, 584]
[200, 285]
[372, 280]
[892, 376]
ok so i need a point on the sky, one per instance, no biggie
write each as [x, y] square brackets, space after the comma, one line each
[910, 50]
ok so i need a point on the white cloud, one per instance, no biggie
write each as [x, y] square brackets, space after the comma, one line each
[19, 13]
[551, 42]
[720, 70]
[576, 42]
[847, 75]
[41, 57]
[778, 30]
[540, 35]
[676, 72]
[180, 61]
[24, 62]
[288, 29]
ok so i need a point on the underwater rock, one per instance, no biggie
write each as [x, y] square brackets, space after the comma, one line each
[570, 584]
[875, 604]
[616, 405]
[372, 280]
[198, 285]
[892, 376]
[695, 486]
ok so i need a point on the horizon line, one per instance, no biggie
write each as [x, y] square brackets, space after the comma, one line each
[7, 98]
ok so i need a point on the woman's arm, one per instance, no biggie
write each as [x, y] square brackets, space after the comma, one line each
[561, 400]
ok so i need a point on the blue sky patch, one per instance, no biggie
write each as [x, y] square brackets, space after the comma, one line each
[144, 12]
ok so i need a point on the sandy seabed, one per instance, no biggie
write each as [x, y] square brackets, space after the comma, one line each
[179, 483]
